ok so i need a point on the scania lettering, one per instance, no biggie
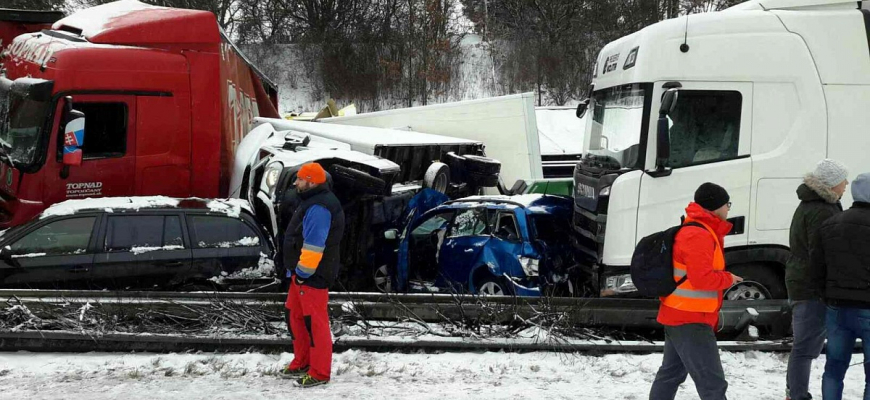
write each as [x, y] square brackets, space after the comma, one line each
[116, 101]
[750, 98]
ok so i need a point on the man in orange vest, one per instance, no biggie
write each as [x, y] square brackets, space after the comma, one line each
[690, 314]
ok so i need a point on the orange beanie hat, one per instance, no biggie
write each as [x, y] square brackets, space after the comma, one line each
[312, 172]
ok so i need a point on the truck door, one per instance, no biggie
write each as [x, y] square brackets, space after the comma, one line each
[710, 132]
[109, 152]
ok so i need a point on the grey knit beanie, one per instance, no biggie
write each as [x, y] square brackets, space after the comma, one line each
[830, 172]
[861, 188]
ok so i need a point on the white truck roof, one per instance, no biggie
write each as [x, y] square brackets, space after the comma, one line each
[796, 4]
[364, 139]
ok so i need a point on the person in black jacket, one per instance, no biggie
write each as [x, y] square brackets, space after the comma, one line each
[311, 257]
[842, 262]
[820, 196]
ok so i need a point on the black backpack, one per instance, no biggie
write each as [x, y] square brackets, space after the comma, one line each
[652, 264]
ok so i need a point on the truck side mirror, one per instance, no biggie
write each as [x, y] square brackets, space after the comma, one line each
[581, 108]
[73, 134]
[663, 137]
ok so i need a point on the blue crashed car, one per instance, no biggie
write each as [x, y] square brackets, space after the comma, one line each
[495, 245]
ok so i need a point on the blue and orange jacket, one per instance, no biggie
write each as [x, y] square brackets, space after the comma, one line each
[312, 242]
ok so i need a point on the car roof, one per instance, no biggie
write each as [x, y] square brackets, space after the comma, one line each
[230, 207]
[534, 203]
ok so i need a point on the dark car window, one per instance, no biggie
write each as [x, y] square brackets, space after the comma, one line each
[216, 231]
[471, 222]
[67, 236]
[432, 224]
[128, 232]
[551, 228]
[505, 227]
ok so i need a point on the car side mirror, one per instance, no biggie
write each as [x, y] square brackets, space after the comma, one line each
[391, 234]
[6, 257]
[73, 134]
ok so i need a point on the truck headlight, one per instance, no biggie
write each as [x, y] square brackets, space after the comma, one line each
[604, 192]
[270, 178]
[530, 265]
[619, 284]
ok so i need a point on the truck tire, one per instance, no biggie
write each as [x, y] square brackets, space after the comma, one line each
[356, 180]
[760, 282]
[478, 180]
[482, 165]
[437, 177]
[457, 166]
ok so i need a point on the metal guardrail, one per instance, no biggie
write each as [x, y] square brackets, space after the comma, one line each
[606, 312]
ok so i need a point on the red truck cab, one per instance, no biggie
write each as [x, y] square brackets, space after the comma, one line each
[165, 95]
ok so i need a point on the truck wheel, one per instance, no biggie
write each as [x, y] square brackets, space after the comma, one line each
[479, 180]
[356, 180]
[457, 166]
[482, 165]
[437, 177]
[760, 282]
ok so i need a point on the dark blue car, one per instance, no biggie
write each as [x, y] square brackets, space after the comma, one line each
[496, 245]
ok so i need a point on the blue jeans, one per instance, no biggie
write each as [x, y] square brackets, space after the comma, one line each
[844, 326]
[808, 322]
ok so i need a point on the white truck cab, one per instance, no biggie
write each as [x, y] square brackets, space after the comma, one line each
[762, 92]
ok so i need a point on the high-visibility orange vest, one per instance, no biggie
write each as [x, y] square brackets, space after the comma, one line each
[686, 297]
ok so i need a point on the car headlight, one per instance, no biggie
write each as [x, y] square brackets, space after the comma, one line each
[604, 192]
[530, 265]
[271, 176]
[619, 284]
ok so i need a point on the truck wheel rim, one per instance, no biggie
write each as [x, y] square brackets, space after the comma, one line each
[747, 290]
[491, 289]
[382, 279]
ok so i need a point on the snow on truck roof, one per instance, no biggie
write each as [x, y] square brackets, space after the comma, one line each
[363, 138]
[131, 22]
[795, 4]
[231, 207]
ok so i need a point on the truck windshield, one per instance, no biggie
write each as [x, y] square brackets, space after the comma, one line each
[617, 120]
[22, 119]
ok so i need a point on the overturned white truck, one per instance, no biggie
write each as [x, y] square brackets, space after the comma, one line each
[374, 172]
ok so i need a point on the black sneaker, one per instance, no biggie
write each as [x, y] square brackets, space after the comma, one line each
[308, 381]
[290, 373]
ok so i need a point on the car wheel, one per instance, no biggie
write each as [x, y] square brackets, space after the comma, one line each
[383, 280]
[760, 282]
[478, 180]
[482, 165]
[357, 180]
[493, 286]
[437, 177]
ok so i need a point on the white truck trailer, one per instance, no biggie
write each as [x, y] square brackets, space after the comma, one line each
[762, 92]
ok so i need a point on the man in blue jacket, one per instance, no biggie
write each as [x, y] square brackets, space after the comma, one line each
[312, 245]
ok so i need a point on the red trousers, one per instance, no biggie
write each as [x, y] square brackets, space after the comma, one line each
[309, 325]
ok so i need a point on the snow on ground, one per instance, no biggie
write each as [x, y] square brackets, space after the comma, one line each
[364, 375]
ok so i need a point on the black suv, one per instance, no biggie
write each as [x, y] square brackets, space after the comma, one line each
[128, 243]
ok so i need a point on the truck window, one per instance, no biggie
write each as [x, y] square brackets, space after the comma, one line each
[705, 127]
[214, 231]
[105, 129]
[67, 236]
[126, 233]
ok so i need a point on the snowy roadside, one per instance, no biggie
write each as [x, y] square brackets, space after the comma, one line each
[364, 375]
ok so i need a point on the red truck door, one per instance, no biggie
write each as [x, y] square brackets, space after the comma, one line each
[109, 151]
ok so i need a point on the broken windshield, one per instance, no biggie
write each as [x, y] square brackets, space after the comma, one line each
[617, 121]
[23, 109]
